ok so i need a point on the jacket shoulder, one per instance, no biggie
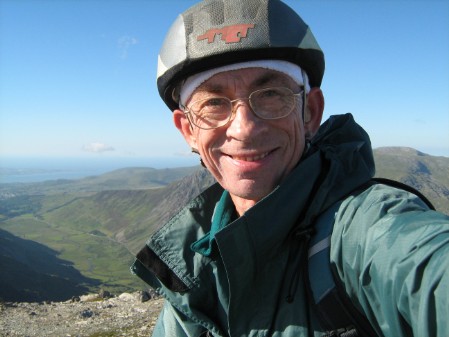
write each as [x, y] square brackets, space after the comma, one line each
[383, 240]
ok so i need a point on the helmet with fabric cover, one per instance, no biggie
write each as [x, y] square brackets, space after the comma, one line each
[214, 33]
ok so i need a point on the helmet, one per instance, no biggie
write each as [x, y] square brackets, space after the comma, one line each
[214, 33]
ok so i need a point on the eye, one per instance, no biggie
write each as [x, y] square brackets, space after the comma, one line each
[214, 102]
[267, 97]
[211, 106]
[271, 92]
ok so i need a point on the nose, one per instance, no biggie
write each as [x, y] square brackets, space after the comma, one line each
[244, 122]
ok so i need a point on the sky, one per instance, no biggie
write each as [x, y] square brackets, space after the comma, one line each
[78, 77]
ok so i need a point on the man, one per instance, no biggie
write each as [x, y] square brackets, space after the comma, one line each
[242, 78]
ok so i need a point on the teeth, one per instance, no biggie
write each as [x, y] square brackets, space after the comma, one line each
[255, 158]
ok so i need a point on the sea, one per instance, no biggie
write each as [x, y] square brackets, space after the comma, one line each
[38, 169]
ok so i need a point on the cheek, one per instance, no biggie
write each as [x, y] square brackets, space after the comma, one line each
[204, 139]
[296, 139]
[207, 142]
[295, 130]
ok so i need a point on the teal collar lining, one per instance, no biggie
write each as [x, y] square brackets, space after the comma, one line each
[224, 213]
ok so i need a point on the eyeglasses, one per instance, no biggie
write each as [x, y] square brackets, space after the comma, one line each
[268, 104]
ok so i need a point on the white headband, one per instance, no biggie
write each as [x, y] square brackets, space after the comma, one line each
[288, 68]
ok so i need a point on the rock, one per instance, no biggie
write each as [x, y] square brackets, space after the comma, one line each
[89, 298]
[144, 296]
[75, 299]
[104, 294]
[86, 313]
[124, 316]
[127, 297]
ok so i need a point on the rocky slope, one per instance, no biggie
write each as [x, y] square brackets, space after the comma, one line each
[86, 316]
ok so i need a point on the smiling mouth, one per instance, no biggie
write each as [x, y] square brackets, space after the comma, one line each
[251, 158]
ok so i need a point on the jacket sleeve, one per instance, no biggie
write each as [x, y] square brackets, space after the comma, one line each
[392, 254]
[173, 323]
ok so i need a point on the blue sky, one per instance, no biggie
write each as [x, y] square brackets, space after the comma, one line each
[78, 77]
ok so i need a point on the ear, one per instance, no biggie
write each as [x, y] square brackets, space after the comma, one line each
[182, 123]
[313, 112]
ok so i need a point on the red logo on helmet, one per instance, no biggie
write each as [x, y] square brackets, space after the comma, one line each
[229, 34]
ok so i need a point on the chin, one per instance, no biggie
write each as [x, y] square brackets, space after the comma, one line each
[249, 192]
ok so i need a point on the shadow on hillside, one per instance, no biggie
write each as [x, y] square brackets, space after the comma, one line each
[32, 272]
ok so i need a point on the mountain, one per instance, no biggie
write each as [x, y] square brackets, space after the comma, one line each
[96, 225]
[98, 233]
[128, 216]
[127, 178]
[428, 174]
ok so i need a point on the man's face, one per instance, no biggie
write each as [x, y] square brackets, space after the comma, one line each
[248, 156]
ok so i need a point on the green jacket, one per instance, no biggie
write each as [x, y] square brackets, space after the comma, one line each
[389, 249]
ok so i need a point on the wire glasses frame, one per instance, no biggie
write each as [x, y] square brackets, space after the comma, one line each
[268, 104]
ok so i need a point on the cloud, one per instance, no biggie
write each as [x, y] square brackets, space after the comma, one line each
[124, 43]
[97, 147]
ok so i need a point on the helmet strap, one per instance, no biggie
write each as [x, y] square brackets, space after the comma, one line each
[304, 94]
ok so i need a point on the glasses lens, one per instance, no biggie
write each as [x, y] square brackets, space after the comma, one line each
[211, 112]
[272, 103]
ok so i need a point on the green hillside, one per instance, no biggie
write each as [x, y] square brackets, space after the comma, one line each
[33, 272]
[98, 232]
[428, 174]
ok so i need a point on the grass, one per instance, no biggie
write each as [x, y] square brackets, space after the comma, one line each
[96, 257]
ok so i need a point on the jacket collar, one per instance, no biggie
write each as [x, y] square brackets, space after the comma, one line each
[340, 160]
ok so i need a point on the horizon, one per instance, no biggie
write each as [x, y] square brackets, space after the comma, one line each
[33, 169]
[40, 169]
[33, 161]
[78, 78]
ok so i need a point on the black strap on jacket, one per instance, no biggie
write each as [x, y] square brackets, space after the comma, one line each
[337, 313]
